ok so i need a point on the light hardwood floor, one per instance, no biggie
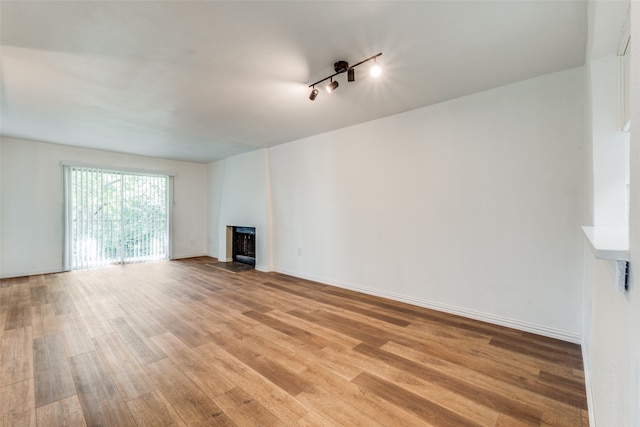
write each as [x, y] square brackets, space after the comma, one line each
[187, 343]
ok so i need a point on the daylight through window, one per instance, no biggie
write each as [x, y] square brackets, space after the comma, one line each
[114, 217]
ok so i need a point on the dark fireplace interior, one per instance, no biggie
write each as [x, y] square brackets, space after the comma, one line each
[244, 245]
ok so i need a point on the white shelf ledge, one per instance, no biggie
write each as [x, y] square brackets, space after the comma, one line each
[609, 242]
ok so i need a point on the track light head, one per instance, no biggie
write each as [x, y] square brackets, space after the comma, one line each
[375, 70]
[351, 75]
[332, 86]
[314, 93]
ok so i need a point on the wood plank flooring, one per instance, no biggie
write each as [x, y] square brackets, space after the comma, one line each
[183, 343]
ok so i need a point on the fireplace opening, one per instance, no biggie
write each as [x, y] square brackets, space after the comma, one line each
[244, 245]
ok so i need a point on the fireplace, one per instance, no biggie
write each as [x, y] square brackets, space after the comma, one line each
[244, 245]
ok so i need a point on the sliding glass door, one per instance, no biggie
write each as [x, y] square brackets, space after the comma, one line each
[114, 217]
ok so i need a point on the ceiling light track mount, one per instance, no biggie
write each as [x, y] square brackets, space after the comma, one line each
[343, 67]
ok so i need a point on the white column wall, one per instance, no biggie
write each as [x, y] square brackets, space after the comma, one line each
[239, 198]
[608, 144]
[1, 209]
[604, 306]
[611, 345]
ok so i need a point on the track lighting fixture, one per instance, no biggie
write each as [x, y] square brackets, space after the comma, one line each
[332, 86]
[342, 67]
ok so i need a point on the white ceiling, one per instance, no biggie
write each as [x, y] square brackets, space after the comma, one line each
[201, 81]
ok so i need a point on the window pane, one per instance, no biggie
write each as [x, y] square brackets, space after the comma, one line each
[116, 217]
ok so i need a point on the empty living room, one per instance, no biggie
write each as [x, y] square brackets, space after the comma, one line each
[313, 213]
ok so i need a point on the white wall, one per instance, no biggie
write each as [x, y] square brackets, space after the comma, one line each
[238, 197]
[631, 342]
[472, 206]
[605, 307]
[611, 342]
[31, 217]
[1, 207]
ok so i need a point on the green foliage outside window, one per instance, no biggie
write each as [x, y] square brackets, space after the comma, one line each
[118, 217]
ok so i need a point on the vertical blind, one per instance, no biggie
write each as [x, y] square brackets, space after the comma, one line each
[114, 217]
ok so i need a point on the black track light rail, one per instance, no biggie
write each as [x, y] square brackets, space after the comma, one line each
[342, 71]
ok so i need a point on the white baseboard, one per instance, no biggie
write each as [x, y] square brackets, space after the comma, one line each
[446, 308]
[472, 314]
[194, 255]
[61, 270]
[587, 384]
[31, 273]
